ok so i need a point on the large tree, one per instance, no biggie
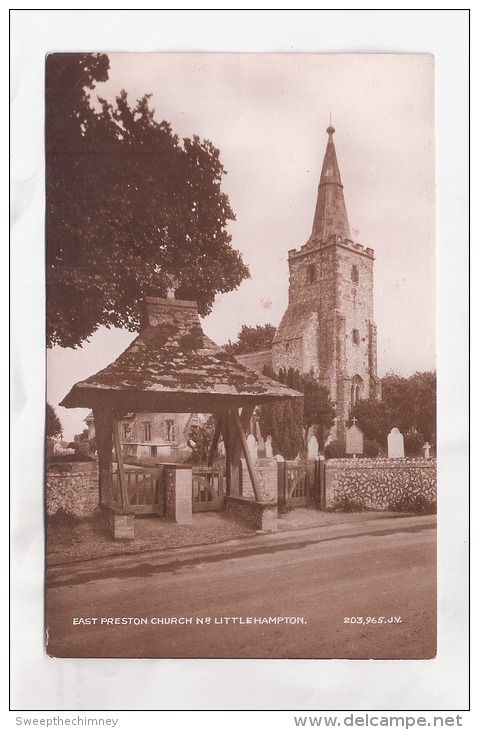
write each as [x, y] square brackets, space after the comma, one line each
[252, 339]
[407, 403]
[319, 410]
[129, 207]
[53, 426]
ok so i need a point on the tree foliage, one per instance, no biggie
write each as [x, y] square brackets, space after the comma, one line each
[319, 410]
[199, 440]
[53, 426]
[128, 207]
[408, 404]
[288, 422]
[252, 339]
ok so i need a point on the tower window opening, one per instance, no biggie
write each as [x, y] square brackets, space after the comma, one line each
[356, 337]
[356, 389]
[354, 274]
[311, 273]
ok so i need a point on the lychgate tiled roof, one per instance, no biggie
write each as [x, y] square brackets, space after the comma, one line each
[172, 366]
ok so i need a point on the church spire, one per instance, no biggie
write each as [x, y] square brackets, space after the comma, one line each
[330, 217]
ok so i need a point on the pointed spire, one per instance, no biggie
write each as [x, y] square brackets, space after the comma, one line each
[330, 217]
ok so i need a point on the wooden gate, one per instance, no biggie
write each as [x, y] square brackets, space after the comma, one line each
[145, 491]
[297, 483]
[208, 489]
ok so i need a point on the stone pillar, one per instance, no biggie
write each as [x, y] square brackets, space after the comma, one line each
[122, 527]
[178, 481]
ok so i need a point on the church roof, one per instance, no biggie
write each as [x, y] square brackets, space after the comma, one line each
[330, 217]
[173, 367]
[256, 360]
[296, 320]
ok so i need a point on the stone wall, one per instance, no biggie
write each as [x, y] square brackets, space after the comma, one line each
[381, 484]
[267, 476]
[72, 489]
[258, 515]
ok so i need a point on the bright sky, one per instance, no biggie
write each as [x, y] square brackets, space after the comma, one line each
[268, 114]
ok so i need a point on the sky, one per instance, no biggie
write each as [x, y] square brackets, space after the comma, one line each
[268, 114]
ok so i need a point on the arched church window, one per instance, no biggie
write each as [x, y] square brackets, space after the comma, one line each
[356, 337]
[354, 274]
[356, 389]
[311, 273]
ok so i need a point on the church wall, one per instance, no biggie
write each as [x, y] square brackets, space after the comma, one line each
[311, 345]
[301, 287]
[288, 354]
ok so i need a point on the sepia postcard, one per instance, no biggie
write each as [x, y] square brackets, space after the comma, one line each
[238, 482]
[241, 422]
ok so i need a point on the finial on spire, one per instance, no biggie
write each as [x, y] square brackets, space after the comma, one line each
[330, 130]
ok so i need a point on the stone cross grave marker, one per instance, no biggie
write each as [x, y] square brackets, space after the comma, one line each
[395, 444]
[354, 440]
[426, 449]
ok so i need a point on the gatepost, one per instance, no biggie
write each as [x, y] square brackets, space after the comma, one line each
[178, 481]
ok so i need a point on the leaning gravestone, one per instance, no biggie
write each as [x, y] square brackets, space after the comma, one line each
[395, 444]
[252, 446]
[354, 440]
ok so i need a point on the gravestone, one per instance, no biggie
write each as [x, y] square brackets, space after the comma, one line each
[395, 444]
[252, 446]
[268, 445]
[279, 459]
[313, 448]
[354, 440]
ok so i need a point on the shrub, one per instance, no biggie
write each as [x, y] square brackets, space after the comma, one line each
[65, 458]
[371, 449]
[413, 444]
[344, 503]
[62, 518]
[335, 450]
[417, 503]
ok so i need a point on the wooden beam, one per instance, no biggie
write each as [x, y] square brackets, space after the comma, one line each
[214, 442]
[120, 469]
[103, 433]
[245, 418]
[244, 445]
[228, 432]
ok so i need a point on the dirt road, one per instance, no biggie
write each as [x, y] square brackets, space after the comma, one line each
[365, 590]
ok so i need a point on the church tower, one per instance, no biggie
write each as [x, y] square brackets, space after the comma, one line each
[328, 326]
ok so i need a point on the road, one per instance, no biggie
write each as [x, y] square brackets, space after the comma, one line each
[361, 590]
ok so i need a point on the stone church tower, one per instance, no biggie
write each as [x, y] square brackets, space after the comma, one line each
[328, 326]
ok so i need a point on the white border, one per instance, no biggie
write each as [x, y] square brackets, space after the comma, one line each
[42, 683]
